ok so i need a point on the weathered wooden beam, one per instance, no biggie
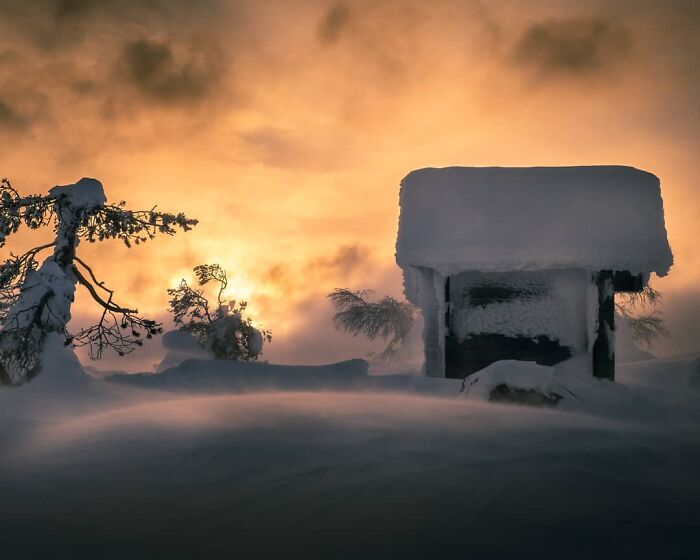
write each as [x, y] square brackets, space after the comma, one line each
[604, 345]
[625, 281]
[464, 357]
[448, 307]
[433, 328]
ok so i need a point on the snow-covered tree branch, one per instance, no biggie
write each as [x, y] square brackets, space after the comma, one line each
[35, 299]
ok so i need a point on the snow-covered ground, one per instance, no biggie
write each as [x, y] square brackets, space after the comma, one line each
[213, 459]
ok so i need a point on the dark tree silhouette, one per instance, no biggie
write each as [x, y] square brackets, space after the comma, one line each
[35, 300]
[225, 331]
[640, 310]
[387, 318]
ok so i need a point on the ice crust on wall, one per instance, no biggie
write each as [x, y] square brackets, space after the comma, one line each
[515, 318]
[551, 303]
[490, 219]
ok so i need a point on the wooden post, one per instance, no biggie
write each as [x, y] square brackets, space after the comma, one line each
[448, 307]
[433, 323]
[604, 345]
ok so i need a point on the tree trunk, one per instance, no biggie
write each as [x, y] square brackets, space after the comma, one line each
[45, 299]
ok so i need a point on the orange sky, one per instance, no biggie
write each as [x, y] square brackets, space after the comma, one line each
[286, 126]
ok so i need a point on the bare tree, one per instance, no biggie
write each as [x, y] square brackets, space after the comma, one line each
[639, 309]
[35, 300]
[387, 318]
[224, 330]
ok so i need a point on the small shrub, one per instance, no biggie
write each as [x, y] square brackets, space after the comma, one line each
[225, 331]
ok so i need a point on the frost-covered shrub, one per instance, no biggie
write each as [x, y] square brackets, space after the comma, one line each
[226, 331]
[35, 299]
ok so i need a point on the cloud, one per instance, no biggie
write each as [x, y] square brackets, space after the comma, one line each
[277, 274]
[67, 9]
[50, 24]
[296, 149]
[333, 23]
[10, 118]
[574, 46]
[154, 70]
[346, 261]
[313, 337]
[280, 148]
[299, 284]
[59, 25]
[320, 274]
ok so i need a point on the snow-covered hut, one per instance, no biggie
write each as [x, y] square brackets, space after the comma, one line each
[523, 263]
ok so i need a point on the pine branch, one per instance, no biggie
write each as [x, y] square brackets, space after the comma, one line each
[119, 328]
[639, 310]
[386, 319]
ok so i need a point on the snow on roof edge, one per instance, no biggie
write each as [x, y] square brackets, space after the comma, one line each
[455, 219]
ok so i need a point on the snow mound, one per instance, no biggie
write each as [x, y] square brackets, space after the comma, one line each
[222, 376]
[61, 384]
[60, 368]
[494, 219]
[180, 346]
[695, 376]
[217, 375]
[515, 376]
[570, 388]
[671, 375]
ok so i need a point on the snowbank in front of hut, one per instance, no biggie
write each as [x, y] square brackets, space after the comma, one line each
[570, 387]
[515, 375]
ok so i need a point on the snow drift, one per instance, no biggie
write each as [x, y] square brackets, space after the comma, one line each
[155, 470]
[227, 374]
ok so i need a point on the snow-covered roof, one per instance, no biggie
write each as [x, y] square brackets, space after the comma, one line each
[491, 219]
